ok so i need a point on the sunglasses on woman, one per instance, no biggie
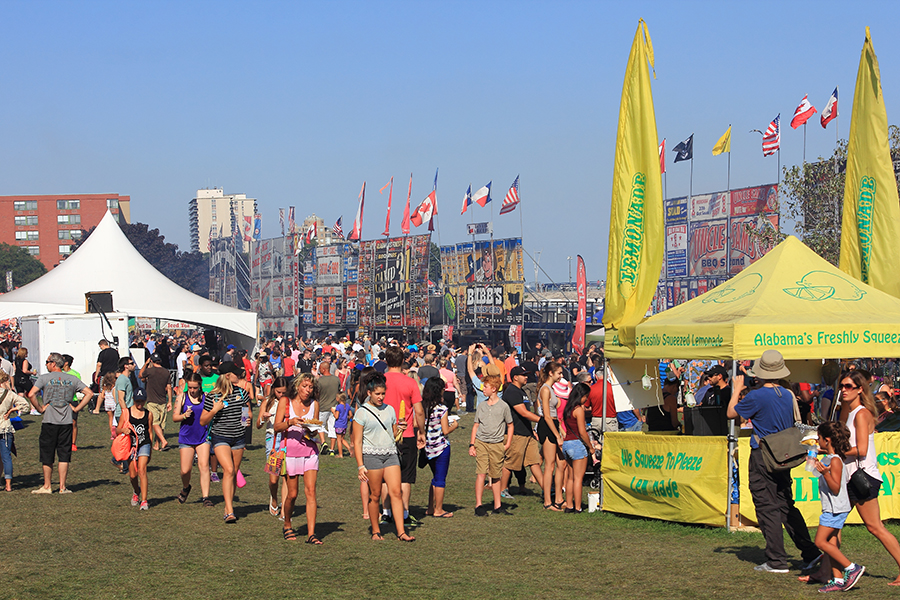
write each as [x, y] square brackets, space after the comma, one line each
[849, 386]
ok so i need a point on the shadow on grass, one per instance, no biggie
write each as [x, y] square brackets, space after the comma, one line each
[86, 485]
[749, 554]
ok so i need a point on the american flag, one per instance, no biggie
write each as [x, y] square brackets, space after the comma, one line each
[772, 137]
[337, 229]
[511, 201]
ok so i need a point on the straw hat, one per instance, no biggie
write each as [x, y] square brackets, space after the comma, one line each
[770, 366]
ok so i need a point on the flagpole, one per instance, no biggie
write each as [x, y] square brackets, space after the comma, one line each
[522, 270]
[691, 185]
[728, 217]
[804, 142]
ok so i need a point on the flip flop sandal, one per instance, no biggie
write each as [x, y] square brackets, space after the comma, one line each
[406, 538]
[230, 518]
[314, 540]
[377, 537]
[289, 534]
[207, 502]
[182, 497]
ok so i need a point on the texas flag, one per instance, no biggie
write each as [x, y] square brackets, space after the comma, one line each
[425, 211]
[467, 201]
[831, 109]
[803, 112]
[483, 196]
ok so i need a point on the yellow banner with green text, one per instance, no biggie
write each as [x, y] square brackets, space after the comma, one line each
[806, 484]
[673, 478]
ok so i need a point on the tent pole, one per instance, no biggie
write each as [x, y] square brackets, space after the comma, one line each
[603, 429]
[732, 446]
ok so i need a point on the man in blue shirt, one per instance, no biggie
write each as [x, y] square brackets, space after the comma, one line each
[772, 408]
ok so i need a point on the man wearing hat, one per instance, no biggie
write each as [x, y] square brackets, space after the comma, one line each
[229, 354]
[719, 392]
[523, 451]
[772, 408]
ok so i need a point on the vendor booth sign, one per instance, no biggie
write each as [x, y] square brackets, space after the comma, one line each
[806, 484]
[672, 478]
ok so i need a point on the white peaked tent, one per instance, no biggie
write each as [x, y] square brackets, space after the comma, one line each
[107, 261]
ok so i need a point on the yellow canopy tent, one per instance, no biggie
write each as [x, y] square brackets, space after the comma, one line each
[791, 300]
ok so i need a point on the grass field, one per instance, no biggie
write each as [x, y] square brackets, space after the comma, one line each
[93, 544]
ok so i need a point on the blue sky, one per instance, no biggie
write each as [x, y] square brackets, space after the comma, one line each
[298, 103]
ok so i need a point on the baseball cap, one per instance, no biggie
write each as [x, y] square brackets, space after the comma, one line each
[229, 347]
[139, 394]
[517, 370]
[717, 370]
[156, 358]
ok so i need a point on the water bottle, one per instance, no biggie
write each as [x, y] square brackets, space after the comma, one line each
[811, 459]
[245, 417]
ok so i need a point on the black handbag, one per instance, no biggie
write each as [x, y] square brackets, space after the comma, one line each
[860, 483]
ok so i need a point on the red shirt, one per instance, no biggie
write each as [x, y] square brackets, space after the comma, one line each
[402, 389]
[248, 369]
[288, 364]
[596, 401]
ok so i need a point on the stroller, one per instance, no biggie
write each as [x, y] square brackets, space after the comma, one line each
[592, 474]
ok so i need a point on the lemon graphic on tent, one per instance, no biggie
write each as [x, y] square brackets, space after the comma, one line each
[734, 290]
[817, 286]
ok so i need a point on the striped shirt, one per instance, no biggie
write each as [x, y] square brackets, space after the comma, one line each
[227, 422]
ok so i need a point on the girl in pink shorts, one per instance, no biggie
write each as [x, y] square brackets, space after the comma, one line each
[301, 452]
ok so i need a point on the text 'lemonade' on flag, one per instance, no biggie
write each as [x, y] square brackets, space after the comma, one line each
[803, 112]
[512, 198]
[467, 201]
[830, 111]
[724, 143]
[684, 150]
[425, 211]
[772, 137]
[483, 196]
[338, 229]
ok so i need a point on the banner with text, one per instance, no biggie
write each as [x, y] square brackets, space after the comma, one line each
[673, 478]
[806, 484]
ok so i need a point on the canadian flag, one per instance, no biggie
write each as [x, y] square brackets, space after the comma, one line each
[803, 113]
[425, 211]
[311, 233]
[248, 228]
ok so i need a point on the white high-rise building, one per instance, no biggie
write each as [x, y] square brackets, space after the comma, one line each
[211, 213]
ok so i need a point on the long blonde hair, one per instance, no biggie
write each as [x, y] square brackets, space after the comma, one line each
[223, 387]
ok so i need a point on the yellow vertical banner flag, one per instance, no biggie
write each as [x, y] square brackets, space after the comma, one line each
[870, 226]
[724, 143]
[636, 234]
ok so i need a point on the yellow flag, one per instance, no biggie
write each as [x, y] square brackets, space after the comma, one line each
[871, 223]
[636, 234]
[724, 143]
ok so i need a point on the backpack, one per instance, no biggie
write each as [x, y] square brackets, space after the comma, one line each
[123, 448]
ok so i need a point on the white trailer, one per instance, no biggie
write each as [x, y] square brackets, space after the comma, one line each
[72, 334]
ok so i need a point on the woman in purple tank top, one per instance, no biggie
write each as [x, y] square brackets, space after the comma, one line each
[192, 438]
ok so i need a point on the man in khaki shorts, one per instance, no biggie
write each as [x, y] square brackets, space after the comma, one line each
[159, 398]
[524, 451]
[491, 437]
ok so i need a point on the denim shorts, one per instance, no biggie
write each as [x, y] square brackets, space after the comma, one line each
[144, 450]
[192, 446]
[833, 520]
[236, 443]
[574, 449]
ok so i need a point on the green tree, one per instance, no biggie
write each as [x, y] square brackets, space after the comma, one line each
[813, 198]
[190, 270]
[25, 268]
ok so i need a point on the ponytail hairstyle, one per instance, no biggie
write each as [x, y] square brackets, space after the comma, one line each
[839, 435]
[548, 370]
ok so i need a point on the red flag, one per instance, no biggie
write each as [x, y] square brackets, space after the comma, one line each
[387, 223]
[581, 284]
[356, 233]
[404, 226]
[425, 211]
[803, 113]
[662, 157]
[311, 233]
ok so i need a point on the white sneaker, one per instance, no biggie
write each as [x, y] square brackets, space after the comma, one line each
[42, 490]
[767, 569]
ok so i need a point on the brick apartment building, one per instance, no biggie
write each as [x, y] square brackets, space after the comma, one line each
[48, 226]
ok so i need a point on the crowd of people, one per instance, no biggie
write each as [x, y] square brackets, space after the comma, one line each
[391, 406]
